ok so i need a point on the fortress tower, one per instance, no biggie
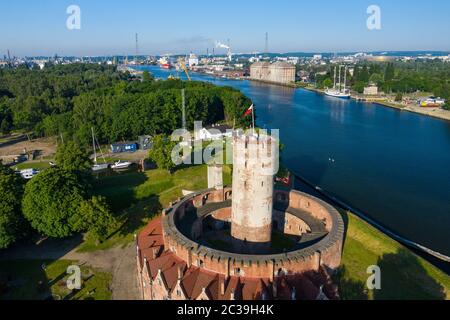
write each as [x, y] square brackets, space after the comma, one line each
[253, 169]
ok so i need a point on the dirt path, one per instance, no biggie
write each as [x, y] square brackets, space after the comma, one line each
[120, 262]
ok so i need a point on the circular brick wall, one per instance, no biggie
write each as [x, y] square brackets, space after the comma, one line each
[183, 239]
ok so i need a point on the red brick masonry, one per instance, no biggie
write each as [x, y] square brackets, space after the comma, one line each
[173, 266]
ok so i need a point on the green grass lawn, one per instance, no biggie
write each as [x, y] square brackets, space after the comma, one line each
[404, 275]
[26, 280]
[137, 197]
[38, 165]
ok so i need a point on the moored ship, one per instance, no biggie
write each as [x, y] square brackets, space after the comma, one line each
[339, 90]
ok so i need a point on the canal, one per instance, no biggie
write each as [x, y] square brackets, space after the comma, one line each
[391, 165]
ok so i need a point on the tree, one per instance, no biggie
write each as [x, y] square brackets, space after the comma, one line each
[398, 97]
[52, 202]
[359, 86]
[12, 223]
[327, 83]
[5, 126]
[147, 77]
[364, 75]
[376, 78]
[96, 217]
[161, 152]
[389, 73]
[72, 157]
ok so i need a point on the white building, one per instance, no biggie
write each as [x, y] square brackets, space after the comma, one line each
[193, 60]
[278, 72]
[371, 91]
[215, 132]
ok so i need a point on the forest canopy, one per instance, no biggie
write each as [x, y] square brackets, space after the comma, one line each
[70, 99]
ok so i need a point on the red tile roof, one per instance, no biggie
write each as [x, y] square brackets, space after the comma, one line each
[150, 239]
[194, 280]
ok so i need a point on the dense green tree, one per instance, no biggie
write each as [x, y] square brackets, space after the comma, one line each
[52, 202]
[161, 152]
[364, 75]
[71, 99]
[327, 83]
[146, 76]
[389, 73]
[95, 217]
[71, 156]
[376, 78]
[359, 86]
[12, 223]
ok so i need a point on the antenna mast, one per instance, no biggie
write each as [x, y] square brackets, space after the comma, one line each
[137, 50]
[266, 47]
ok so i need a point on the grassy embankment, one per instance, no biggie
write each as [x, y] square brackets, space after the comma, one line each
[404, 275]
[32, 282]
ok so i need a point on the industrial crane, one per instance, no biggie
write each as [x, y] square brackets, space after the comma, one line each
[183, 66]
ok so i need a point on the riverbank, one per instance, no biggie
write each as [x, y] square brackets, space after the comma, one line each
[437, 113]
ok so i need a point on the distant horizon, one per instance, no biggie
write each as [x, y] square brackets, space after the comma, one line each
[381, 52]
[108, 27]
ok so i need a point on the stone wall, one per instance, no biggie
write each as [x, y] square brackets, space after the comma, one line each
[326, 252]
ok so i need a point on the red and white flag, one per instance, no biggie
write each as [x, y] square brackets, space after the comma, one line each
[249, 111]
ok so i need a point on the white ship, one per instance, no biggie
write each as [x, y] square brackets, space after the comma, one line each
[339, 90]
[28, 173]
[121, 165]
[98, 166]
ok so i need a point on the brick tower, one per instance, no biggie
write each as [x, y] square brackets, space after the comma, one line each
[253, 168]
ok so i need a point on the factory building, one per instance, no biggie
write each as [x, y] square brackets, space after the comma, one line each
[278, 72]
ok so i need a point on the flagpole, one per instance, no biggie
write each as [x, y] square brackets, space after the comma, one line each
[253, 119]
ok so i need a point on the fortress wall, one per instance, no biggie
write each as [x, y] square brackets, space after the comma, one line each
[326, 252]
[289, 224]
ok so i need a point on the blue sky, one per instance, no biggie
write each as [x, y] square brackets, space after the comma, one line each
[108, 27]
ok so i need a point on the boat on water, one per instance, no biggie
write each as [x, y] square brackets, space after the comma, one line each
[28, 173]
[339, 90]
[121, 165]
[98, 166]
[165, 63]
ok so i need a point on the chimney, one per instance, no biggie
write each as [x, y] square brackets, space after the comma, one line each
[189, 262]
[274, 289]
[232, 295]
[273, 270]
[222, 286]
[180, 273]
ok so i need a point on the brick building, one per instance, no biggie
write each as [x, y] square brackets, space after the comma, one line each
[190, 252]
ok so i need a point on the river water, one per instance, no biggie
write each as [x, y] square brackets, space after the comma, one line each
[393, 166]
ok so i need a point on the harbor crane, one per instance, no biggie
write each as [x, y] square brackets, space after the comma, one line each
[183, 66]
